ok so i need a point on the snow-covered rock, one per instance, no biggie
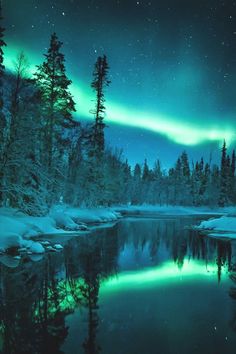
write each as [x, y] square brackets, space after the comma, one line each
[10, 240]
[63, 220]
[51, 249]
[45, 243]
[58, 247]
[9, 261]
[33, 247]
[22, 249]
[35, 257]
[37, 248]
[224, 226]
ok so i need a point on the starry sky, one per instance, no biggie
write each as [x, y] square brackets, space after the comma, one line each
[172, 67]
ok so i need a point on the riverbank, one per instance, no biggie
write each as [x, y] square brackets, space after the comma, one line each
[18, 231]
[223, 227]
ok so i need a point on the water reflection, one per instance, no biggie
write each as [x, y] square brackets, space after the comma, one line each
[36, 299]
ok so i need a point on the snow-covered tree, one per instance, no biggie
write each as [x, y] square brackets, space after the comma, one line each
[3, 122]
[95, 159]
[57, 108]
[99, 83]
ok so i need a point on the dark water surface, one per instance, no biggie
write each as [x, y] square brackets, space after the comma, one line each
[143, 286]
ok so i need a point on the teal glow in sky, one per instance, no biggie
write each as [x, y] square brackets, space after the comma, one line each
[184, 132]
[172, 67]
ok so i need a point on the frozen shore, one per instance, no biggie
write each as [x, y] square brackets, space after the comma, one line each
[18, 230]
[222, 227]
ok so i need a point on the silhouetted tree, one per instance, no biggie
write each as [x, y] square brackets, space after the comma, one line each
[223, 198]
[100, 81]
[3, 122]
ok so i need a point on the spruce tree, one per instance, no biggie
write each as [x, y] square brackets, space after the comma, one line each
[158, 190]
[2, 116]
[232, 186]
[57, 121]
[2, 67]
[146, 172]
[178, 182]
[185, 165]
[223, 176]
[58, 104]
[100, 81]
[96, 141]
[136, 187]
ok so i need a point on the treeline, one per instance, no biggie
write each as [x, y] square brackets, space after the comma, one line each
[199, 185]
[47, 156]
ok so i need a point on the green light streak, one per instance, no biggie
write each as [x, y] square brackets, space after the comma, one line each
[166, 274]
[175, 129]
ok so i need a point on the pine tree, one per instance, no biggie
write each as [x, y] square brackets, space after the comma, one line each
[185, 165]
[22, 173]
[2, 67]
[137, 172]
[146, 172]
[2, 116]
[136, 185]
[223, 199]
[57, 122]
[214, 188]
[58, 104]
[178, 182]
[100, 81]
[157, 189]
[186, 183]
[126, 181]
[96, 164]
[232, 189]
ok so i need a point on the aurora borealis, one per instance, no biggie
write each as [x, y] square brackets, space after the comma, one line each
[172, 66]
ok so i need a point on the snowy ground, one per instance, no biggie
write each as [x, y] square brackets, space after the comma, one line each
[225, 226]
[18, 230]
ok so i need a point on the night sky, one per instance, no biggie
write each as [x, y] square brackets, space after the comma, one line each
[172, 66]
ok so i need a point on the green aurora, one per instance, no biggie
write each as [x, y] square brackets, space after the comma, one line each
[177, 130]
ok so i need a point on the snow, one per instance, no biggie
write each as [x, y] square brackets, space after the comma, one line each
[34, 247]
[9, 261]
[51, 249]
[18, 230]
[88, 216]
[224, 226]
[58, 246]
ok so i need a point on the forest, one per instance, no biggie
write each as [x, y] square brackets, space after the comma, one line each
[48, 156]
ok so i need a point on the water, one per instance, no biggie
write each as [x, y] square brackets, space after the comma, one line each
[143, 286]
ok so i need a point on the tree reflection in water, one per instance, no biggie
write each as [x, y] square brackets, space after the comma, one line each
[36, 298]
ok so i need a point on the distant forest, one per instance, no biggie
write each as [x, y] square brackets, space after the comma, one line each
[47, 156]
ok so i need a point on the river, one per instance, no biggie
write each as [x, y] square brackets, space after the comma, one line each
[141, 286]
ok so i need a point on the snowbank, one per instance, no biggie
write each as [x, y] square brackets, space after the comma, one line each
[17, 228]
[100, 215]
[224, 226]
